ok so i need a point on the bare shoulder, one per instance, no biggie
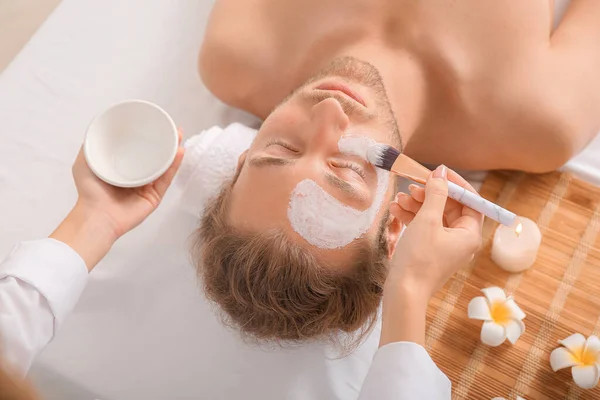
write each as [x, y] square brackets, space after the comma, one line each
[232, 50]
[551, 111]
[573, 68]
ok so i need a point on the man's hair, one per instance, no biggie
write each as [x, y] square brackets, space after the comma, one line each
[271, 288]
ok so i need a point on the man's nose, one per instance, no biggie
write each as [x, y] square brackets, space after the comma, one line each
[329, 122]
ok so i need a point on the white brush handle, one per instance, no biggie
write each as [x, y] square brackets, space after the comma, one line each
[481, 205]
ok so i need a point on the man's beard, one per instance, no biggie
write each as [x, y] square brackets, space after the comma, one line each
[363, 73]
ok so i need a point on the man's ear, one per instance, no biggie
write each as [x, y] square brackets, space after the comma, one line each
[241, 161]
[394, 230]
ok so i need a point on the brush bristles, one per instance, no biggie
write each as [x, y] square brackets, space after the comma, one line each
[382, 155]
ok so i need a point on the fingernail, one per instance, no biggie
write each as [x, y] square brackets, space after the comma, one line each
[441, 172]
[412, 187]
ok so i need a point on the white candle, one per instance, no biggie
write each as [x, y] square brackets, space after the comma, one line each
[516, 251]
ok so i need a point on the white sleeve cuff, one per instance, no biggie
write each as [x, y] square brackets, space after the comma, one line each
[404, 370]
[52, 268]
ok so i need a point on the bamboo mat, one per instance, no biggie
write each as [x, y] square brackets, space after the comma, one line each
[560, 294]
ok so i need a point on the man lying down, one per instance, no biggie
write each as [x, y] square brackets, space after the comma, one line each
[496, 91]
[471, 85]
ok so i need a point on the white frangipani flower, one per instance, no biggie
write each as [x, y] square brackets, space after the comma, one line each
[583, 356]
[501, 315]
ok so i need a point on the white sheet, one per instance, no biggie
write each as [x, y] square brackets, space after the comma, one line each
[141, 330]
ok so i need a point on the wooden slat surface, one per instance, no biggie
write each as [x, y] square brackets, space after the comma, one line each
[560, 294]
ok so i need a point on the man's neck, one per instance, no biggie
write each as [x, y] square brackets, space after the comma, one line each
[404, 81]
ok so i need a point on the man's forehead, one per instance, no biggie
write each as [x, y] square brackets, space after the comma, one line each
[259, 202]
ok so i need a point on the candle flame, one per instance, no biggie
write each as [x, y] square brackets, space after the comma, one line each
[519, 229]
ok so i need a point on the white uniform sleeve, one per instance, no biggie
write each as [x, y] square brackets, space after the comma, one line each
[404, 371]
[40, 283]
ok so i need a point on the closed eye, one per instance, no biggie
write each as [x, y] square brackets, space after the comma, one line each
[281, 143]
[354, 167]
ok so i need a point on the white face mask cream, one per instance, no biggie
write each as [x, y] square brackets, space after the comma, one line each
[355, 145]
[324, 221]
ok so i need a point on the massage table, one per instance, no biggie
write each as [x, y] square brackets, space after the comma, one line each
[142, 329]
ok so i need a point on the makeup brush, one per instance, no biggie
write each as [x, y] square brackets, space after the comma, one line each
[388, 158]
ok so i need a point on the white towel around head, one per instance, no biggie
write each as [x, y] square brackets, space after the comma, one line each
[210, 160]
